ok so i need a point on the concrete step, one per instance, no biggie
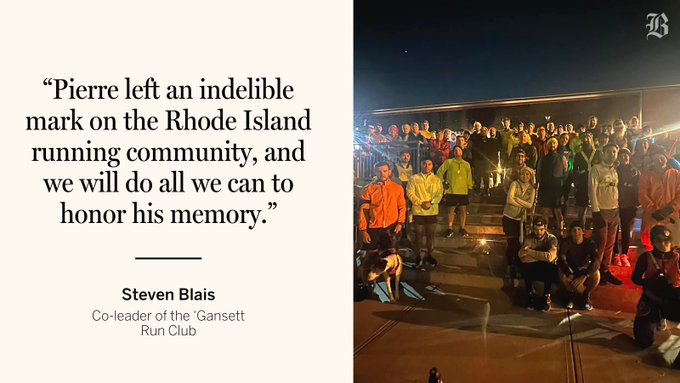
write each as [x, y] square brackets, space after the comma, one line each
[609, 297]
[484, 229]
[471, 228]
[460, 258]
[497, 209]
[473, 242]
[450, 275]
[481, 208]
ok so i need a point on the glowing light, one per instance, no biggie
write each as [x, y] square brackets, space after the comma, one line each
[482, 241]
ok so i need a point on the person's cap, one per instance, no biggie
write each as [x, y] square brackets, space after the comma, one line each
[538, 222]
[576, 224]
[660, 231]
[520, 151]
[624, 150]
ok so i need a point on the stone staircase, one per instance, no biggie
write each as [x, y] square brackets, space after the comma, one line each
[478, 260]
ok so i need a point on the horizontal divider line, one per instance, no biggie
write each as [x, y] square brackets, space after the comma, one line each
[168, 258]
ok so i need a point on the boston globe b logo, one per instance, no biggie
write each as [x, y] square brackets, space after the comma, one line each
[658, 25]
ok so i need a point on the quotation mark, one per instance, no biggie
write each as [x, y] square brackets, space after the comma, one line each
[272, 205]
[47, 81]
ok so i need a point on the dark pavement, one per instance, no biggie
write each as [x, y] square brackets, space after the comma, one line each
[477, 335]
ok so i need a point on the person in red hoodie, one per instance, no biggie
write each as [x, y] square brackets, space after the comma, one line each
[659, 195]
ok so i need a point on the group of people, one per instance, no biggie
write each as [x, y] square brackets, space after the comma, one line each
[540, 169]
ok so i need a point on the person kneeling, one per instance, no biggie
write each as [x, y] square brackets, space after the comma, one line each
[578, 266]
[658, 272]
[537, 262]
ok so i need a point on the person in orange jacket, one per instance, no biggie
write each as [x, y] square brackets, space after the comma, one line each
[386, 211]
[659, 195]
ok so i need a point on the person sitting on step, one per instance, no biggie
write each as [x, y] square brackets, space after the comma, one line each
[578, 266]
[537, 262]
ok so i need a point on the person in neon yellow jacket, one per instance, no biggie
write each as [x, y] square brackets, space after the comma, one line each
[425, 191]
[457, 177]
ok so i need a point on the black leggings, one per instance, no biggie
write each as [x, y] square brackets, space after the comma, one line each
[512, 228]
[627, 215]
[539, 271]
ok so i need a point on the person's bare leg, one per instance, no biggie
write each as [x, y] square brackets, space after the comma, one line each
[463, 216]
[452, 216]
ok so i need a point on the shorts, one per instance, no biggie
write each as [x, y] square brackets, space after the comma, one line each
[424, 219]
[452, 200]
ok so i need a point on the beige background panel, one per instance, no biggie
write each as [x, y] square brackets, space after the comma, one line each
[288, 275]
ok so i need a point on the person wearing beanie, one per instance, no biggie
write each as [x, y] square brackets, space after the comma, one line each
[658, 272]
[578, 266]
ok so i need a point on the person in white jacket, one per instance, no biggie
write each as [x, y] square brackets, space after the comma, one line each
[603, 191]
[425, 191]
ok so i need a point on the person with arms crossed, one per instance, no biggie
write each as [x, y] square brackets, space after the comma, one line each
[537, 263]
[604, 199]
[425, 191]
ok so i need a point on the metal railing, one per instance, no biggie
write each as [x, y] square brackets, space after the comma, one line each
[367, 155]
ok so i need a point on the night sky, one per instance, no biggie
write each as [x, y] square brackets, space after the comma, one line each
[426, 53]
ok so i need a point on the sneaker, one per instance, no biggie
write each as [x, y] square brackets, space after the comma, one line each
[624, 260]
[616, 261]
[589, 305]
[548, 304]
[448, 233]
[530, 303]
[463, 232]
[612, 279]
[603, 281]
[431, 261]
[662, 326]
